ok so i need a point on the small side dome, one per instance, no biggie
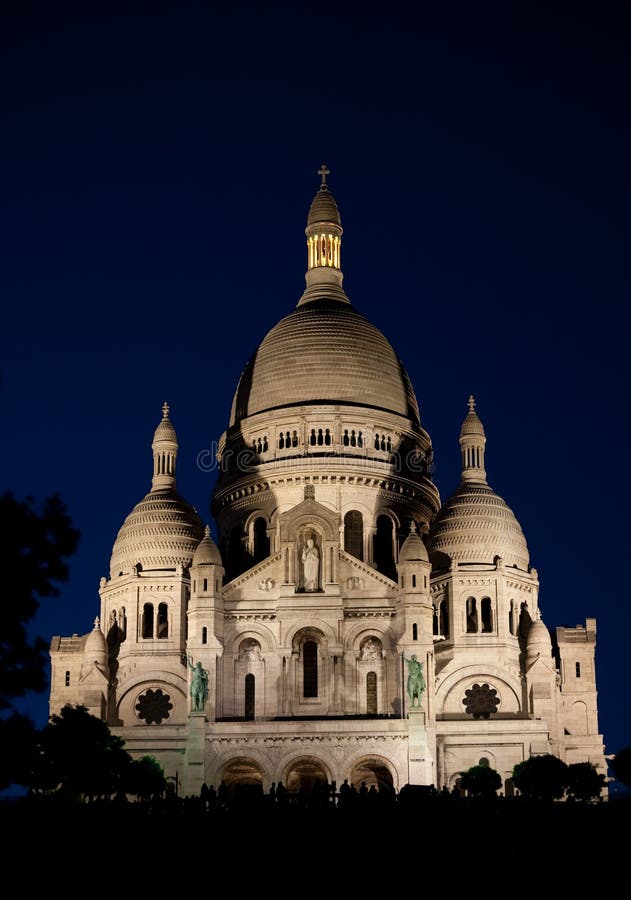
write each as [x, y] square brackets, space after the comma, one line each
[207, 552]
[413, 549]
[539, 641]
[95, 647]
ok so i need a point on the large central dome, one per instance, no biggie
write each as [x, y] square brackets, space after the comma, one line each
[324, 352]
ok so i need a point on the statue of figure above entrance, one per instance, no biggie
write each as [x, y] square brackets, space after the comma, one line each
[309, 562]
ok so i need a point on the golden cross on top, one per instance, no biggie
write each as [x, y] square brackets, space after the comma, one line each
[165, 410]
[323, 171]
[471, 403]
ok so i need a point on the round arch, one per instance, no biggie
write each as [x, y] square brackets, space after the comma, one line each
[357, 632]
[260, 633]
[373, 770]
[303, 773]
[242, 772]
[315, 625]
[452, 678]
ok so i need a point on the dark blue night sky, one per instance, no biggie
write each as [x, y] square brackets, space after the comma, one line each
[158, 162]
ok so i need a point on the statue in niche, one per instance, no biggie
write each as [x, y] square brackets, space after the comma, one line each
[371, 649]
[250, 651]
[416, 681]
[199, 685]
[311, 565]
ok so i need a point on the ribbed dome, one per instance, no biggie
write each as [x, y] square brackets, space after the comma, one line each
[472, 425]
[324, 209]
[207, 552]
[324, 352]
[475, 526]
[165, 431]
[161, 532]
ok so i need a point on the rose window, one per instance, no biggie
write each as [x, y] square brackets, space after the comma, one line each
[153, 706]
[481, 701]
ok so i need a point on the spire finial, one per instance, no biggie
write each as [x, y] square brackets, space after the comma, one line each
[207, 531]
[324, 171]
[412, 527]
[165, 410]
[471, 403]
[97, 624]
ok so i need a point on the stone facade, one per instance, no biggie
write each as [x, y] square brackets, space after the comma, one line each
[336, 566]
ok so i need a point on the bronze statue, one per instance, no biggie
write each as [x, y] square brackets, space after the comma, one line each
[416, 681]
[199, 686]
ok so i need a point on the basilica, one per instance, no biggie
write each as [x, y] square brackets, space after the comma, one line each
[347, 624]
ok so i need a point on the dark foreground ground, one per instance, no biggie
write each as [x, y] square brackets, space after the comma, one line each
[494, 848]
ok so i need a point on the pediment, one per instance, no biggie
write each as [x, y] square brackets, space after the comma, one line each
[358, 576]
[262, 581]
[309, 512]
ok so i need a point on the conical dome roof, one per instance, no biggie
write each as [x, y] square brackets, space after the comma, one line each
[539, 640]
[413, 548]
[207, 551]
[324, 208]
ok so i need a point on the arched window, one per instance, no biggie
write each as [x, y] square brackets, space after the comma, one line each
[320, 437]
[327, 437]
[346, 439]
[162, 629]
[281, 441]
[360, 439]
[147, 621]
[511, 618]
[67, 679]
[250, 696]
[205, 588]
[354, 534]
[443, 619]
[204, 635]
[294, 439]
[312, 437]
[486, 614]
[235, 552]
[414, 631]
[310, 669]
[384, 547]
[413, 581]
[261, 540]
[376, 441]
[472, 616]
[371, 693]
[578, 670]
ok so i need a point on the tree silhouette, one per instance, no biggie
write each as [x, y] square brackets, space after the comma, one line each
[584, 781]
[78, 756]
[144, 778]
[481, 781]
[541, 777]
[34, 547]
[621, 766]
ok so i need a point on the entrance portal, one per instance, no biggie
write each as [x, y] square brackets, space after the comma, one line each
[372, 771]
[304, 774]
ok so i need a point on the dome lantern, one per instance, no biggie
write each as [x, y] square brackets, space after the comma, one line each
[164, 448]
[324, 246]
[472, 444]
